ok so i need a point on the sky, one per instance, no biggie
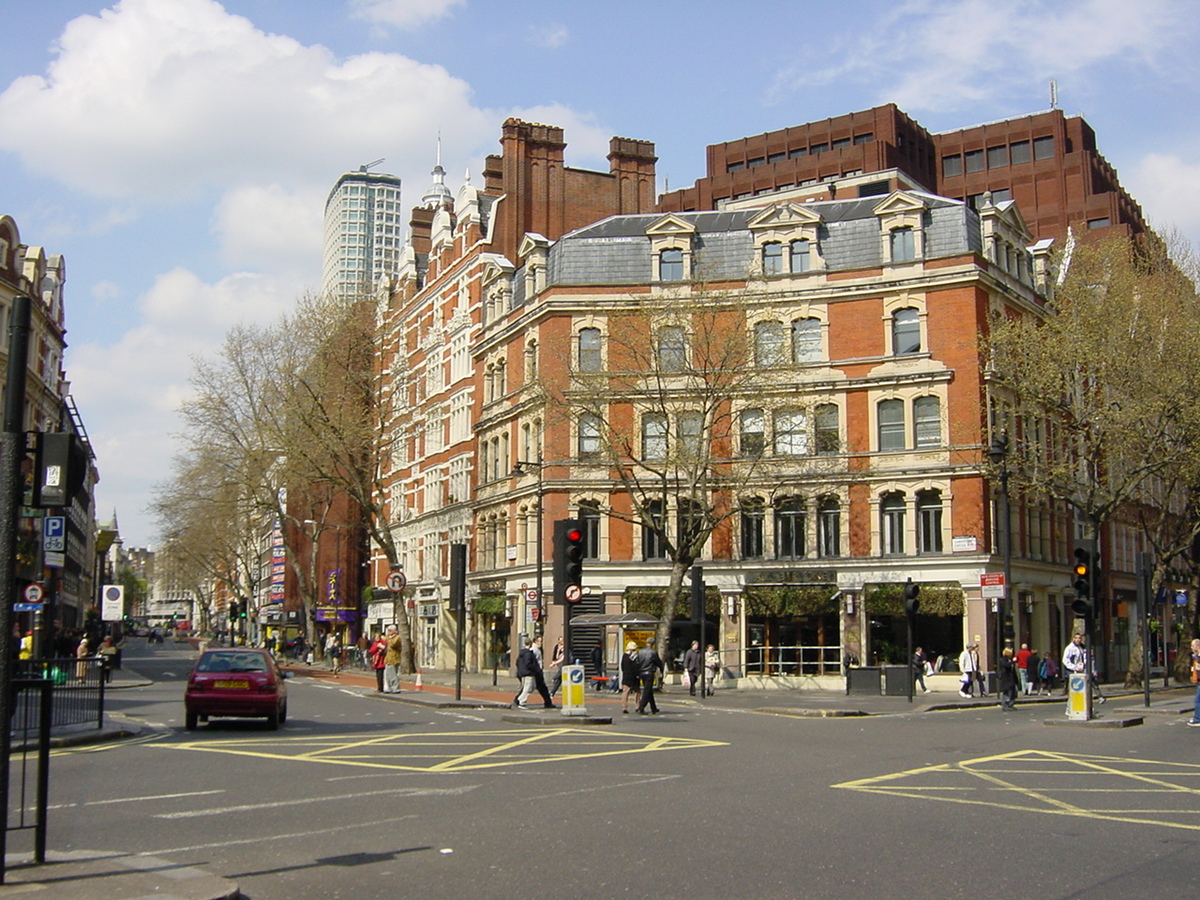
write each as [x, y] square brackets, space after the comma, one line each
[178, 153]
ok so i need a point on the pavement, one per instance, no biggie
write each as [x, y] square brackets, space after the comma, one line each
[92, 875]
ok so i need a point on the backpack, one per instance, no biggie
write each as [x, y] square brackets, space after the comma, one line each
[1048, 669]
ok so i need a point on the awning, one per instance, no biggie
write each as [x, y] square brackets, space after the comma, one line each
[628, 620]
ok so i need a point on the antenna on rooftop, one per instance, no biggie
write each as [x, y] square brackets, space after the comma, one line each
[1053, 94]
[371, 165]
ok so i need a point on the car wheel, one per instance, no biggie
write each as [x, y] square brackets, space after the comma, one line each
[190, 720]
[283, 713]
[273, 720]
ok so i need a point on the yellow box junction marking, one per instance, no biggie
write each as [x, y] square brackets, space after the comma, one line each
[445, 751]
[1113, 789]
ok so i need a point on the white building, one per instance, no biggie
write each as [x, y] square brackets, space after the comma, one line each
[364, 230]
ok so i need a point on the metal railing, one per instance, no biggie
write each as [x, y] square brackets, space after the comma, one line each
[795, 660]
[76, 684]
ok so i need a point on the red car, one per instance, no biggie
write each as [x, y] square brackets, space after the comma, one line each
[237, 681]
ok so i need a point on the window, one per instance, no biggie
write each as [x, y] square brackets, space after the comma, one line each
[735, 167]
[589, 436]
[929, 522]
[768, 344]
[801, 257]
[797, 152]
[864, 138]
[589, 350]
[654, 436]
[1001, 195]
[753, 440]
[814, 149]
[951, 166]
[672, 349]
[756, 162]
[891, 523]
[772, 258]
[829, 527]
[589, 514]
[1099, 223]
[891, 425]
[1018, 152]
[903, 244]
[790, 528]
[1043, 148]
[652, 542]
[906, 332]
[927, 422]
[997, 157]
[670, 265]
[839, 143]
[791, 433]
[825, 429]
[806, 340]
[752, 530]
[690, 428]
[973, 160]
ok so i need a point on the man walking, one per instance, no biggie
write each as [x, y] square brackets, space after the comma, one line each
[391, 660]
[649, 665]
[529, 670]
[968, 665]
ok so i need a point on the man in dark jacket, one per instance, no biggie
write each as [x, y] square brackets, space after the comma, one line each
[529, 670]
[648, 667]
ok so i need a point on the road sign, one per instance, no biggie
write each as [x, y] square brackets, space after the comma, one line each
[112, 603]
[396, 582]
[531, 594]
[27, 607]
[991, 584]
[54, 534]
[572, 593]
[33, 593]
[535, 612]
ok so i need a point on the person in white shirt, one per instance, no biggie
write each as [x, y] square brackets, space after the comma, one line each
[968, 664]
[1073, 660]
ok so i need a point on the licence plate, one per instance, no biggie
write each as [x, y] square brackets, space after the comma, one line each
[235, 683]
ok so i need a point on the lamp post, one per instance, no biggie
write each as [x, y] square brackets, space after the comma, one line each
[520, 469]
[998, 454]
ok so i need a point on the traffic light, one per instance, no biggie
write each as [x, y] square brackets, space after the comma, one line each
[62, 464]
[1082, 604]
[911, 593]
[233, 610]
[697, 593]
[568, 560]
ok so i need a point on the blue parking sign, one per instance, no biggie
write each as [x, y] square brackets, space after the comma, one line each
[54, 534]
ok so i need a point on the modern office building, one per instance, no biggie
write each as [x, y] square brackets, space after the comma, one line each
[364, 231]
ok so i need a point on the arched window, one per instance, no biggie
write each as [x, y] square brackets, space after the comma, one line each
[927, 422]
[791, 432]
[654, 436]
[752, 529]
[891, 523]
[670, 265]
[929, 521]
[753, 438]
[690, 427]
[768, 344]
[589, 436]
[829, 527]
[806, 340]
[891, 425]
[801, 257]
[906, 331]
[826, 435]
[672, 348]
[790, 528]
[772, 258]
[589, 350]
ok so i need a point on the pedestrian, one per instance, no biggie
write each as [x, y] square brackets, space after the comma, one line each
[691, 666]
[919, 663]
[1022, 661]
[712, 668]
[81, 654]
[629, 675]
[392, 657]
[1033, 667]
[596, 657]
[333, 649]
[108, 658]
[1194, 721]
[649, 665]
[1075, 661]
[26, 646]
[529, 670]
[1006, 680]
[378, 656]
[558, 656]
[363, 648]
[1047, 673]
[968, 665]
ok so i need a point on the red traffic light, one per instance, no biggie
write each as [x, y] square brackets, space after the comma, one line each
[574, 535]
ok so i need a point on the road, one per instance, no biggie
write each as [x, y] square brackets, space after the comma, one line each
[359, 796]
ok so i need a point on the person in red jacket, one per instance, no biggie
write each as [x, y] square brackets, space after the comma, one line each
[1023, 667]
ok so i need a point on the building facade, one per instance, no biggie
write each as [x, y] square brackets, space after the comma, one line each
[364, 230]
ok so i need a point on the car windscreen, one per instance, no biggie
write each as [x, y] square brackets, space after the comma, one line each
[232, 662]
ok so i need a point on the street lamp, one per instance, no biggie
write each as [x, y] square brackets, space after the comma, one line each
[520, 469]
[998, 454]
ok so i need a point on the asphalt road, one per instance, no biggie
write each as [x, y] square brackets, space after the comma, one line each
[362, 797]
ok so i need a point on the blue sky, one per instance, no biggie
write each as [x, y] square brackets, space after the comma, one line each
[178, 152]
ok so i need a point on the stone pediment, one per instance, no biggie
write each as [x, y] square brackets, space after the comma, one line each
[784, 216]
[670, 224]
[899, 203]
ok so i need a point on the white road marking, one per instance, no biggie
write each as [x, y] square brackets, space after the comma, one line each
[134, 799]
[404, 792]
[258, 839]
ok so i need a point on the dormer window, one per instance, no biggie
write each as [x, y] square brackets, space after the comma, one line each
[801, 256]
[772, 258]
[670, 265]
[903, 244]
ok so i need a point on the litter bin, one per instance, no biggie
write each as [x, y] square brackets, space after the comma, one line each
[896, 679]
[862, 680]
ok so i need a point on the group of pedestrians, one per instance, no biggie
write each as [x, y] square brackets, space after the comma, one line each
[1024, 671]
[385, 657]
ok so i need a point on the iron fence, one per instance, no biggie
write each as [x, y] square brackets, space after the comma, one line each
[77, 686]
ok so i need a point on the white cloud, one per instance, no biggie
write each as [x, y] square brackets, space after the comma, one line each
[1168, 189]
[161, 100]
[271, 227]
[402, 13]
[933, 55]
[551, 36]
